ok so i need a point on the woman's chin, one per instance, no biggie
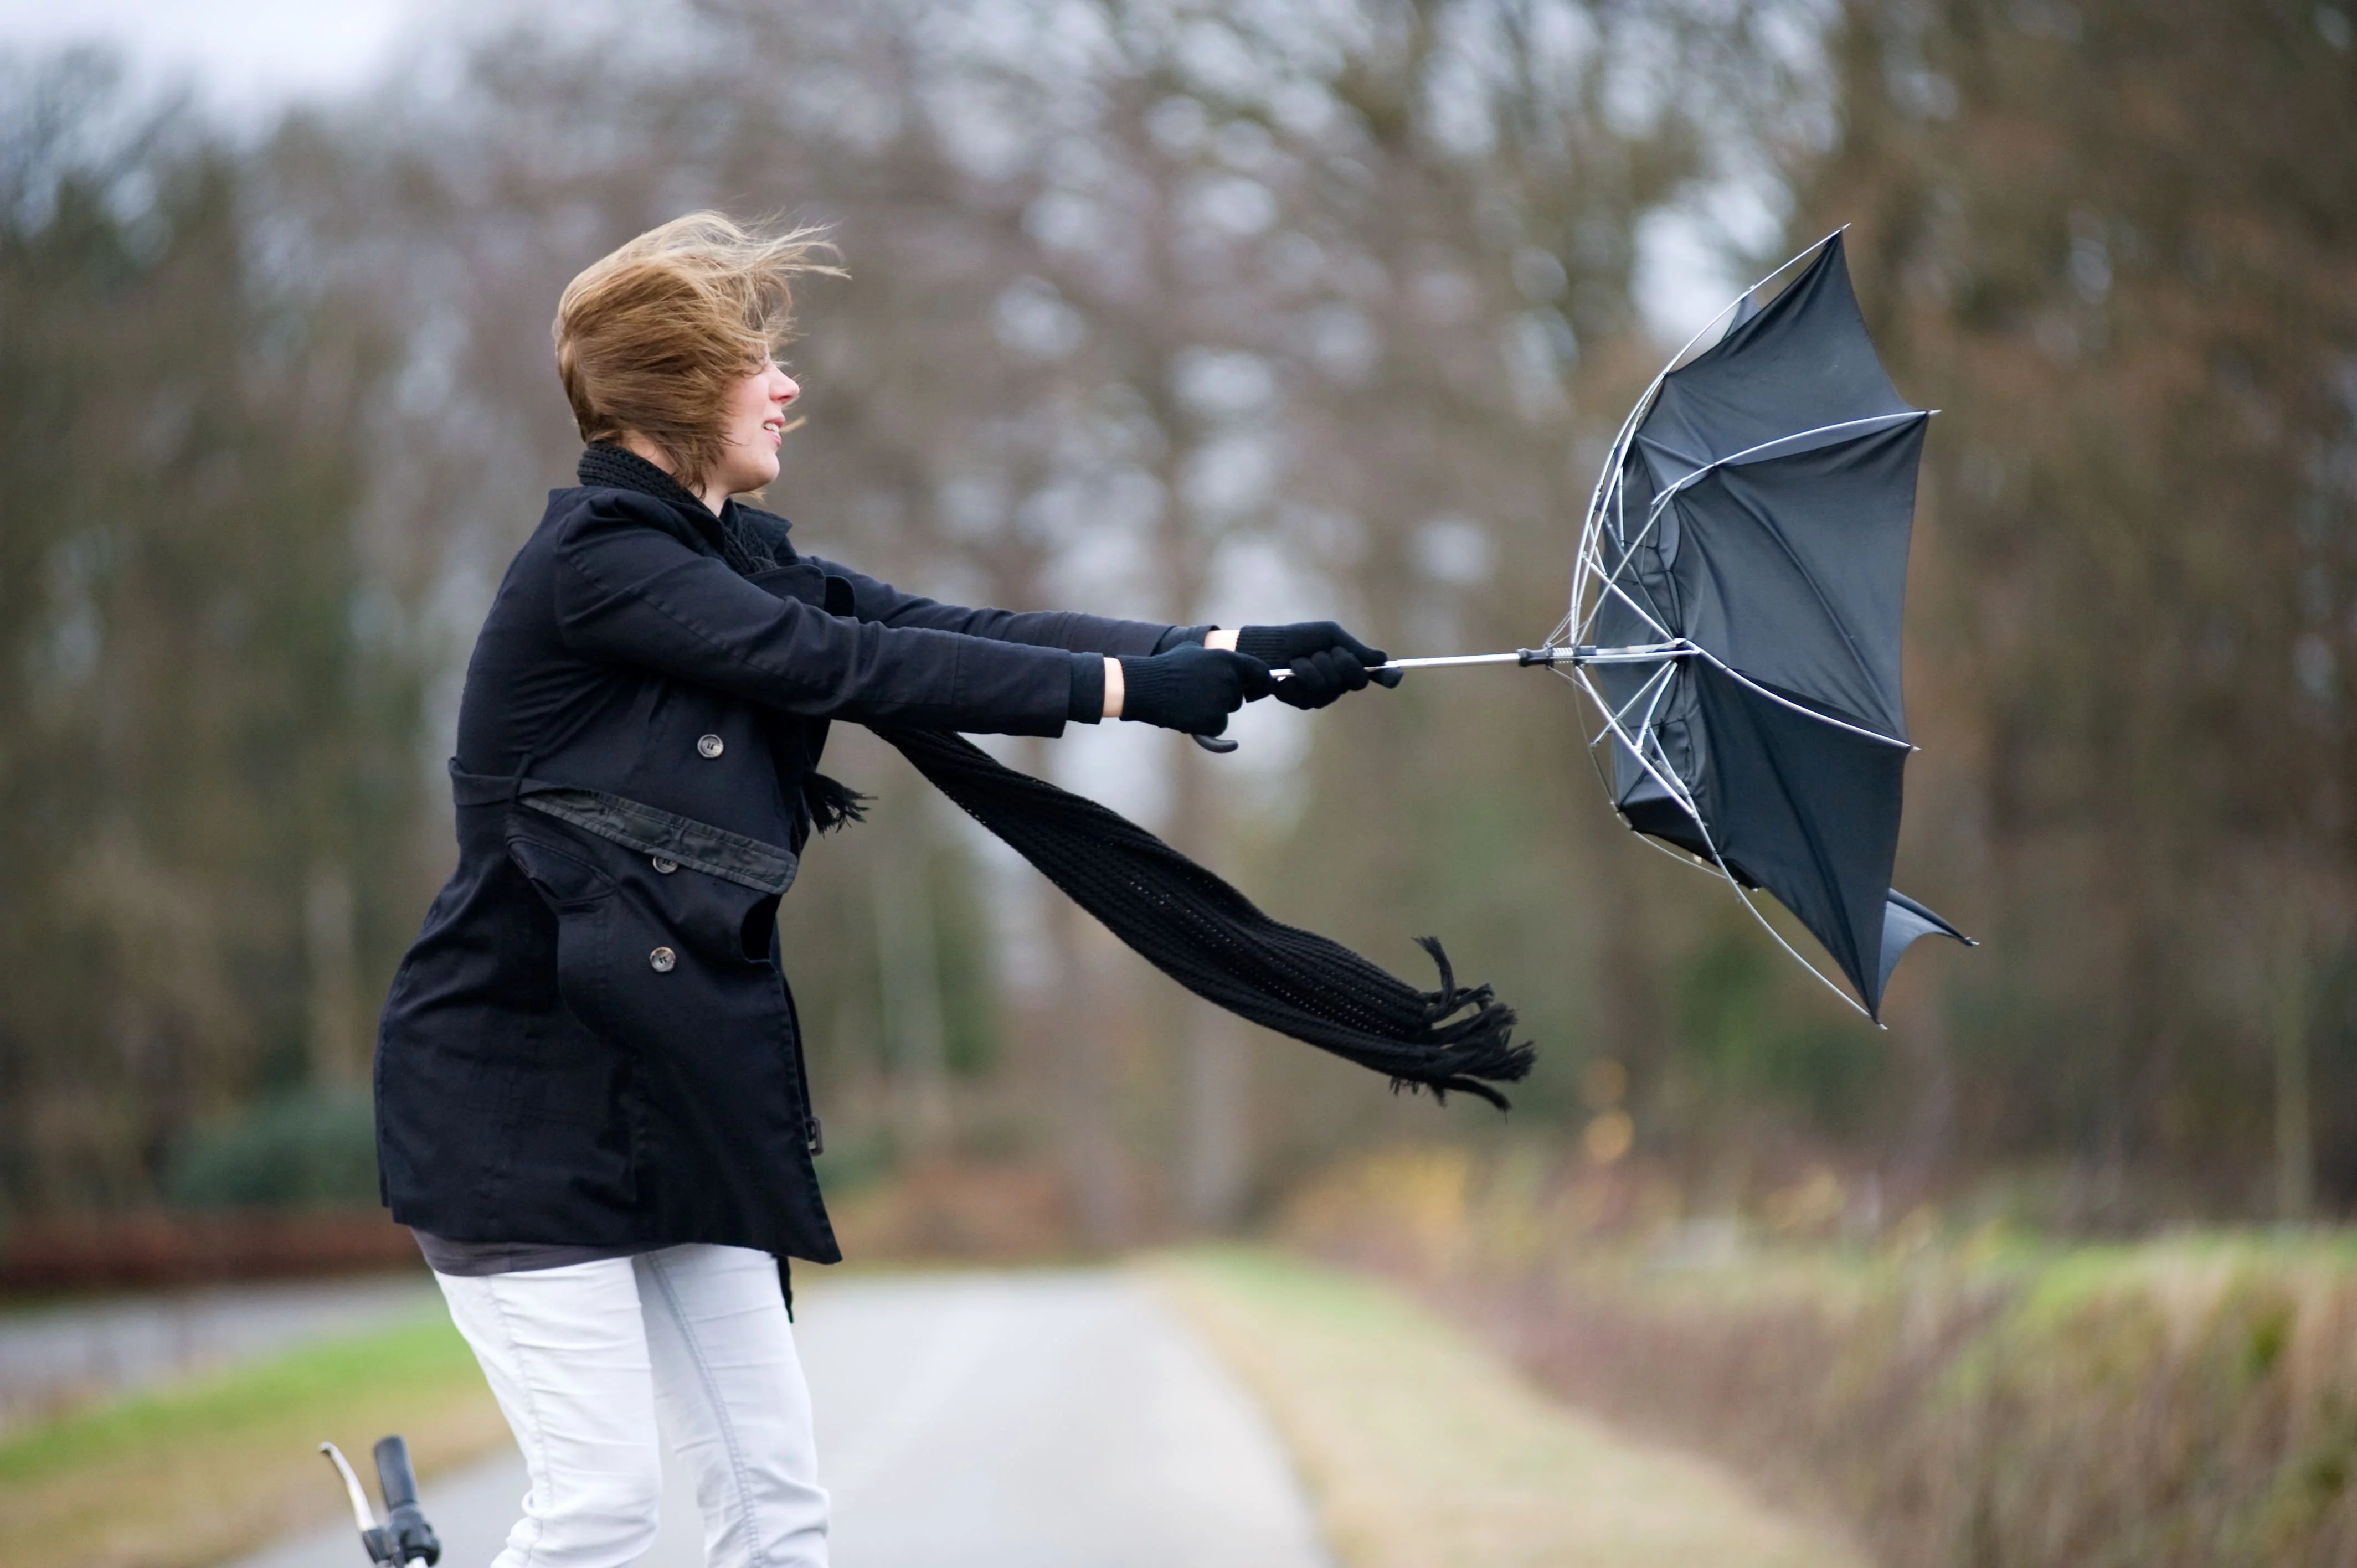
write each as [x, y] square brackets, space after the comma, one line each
[752, 476]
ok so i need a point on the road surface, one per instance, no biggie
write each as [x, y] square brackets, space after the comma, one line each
[1057, 1420]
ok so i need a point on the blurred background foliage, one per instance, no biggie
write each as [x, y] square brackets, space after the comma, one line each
[1189, 311]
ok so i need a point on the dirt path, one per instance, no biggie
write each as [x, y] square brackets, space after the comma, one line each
[1421, 1449]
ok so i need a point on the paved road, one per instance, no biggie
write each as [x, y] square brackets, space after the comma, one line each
[986, 1420]
[53, 1356]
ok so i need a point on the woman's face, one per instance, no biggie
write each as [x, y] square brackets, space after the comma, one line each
[754, 424]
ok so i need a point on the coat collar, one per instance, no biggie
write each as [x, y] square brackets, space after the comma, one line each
[613, 467]
[745, 544]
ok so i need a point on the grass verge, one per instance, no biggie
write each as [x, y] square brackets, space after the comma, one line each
[2185, 1402]
[203, 1471]
[1420, 1448]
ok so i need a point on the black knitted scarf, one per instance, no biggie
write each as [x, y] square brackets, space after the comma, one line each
[1209, 938]
[749, 547]
[1180, 918]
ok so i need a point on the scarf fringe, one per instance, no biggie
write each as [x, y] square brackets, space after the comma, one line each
[831, 802]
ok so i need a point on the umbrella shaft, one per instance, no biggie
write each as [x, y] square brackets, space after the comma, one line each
[1646, 653]
[1460, 659]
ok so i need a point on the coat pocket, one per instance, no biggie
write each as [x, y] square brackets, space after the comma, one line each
[577, 1102]
[646, 946]
[564, 872]
[565, 869]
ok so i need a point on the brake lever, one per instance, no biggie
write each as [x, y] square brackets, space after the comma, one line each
[374, 1538]
[1219, 744]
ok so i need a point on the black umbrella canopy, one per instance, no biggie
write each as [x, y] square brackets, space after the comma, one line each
[1758, 526]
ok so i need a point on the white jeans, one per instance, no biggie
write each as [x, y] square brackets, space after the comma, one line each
[583, 1358]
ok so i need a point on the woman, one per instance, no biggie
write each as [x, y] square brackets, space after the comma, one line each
[590, 1097]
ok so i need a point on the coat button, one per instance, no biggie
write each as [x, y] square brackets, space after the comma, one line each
[664, 960]
[710, 746]
[665, 867]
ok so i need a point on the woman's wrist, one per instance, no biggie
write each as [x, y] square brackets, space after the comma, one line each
[1115, 689]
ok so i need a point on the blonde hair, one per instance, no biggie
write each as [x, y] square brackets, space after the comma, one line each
[650, 340]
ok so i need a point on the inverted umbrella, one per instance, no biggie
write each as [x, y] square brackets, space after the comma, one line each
[1734, 616]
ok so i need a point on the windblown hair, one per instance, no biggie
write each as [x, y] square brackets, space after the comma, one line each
[650, 340]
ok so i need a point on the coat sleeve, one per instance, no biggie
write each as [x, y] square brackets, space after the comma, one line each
[885, 605]
[632, 590]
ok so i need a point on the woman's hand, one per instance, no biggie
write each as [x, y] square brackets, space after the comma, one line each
[1323, 659]
[1190, 688]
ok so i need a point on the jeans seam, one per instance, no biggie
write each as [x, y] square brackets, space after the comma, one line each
[756, 1551]
[532, 1411]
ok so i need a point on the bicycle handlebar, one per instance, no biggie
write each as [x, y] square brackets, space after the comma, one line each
[404, 1538]
[394, 1476]
[404, 1519]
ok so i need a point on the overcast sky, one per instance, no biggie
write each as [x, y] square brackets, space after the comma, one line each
[246, 55]
[249, 57]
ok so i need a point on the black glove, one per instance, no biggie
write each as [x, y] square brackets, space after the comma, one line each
[1324, 660]
[1191, 688]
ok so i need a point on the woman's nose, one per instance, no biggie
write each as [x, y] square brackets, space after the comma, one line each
[787, 389]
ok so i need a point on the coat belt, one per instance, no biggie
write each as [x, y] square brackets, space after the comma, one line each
[716, 852]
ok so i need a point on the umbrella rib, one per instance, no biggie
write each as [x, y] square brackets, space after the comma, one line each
[1669, 781]
[1788, 946]
[1687, 481]
[1635, 698]
[1889, 419]
[1618, 591]
[1733, 673]
[1784, 546]
[1684, 796]
[1653, 709]
[1610, 494]
[1732, 304]
[1692, 862]
[1573, 675]
[1593, 761]
[1591, 530]
[1607, 480]
[1591, 540]
[1612, 581]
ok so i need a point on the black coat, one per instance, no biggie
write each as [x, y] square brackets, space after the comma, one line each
[591, 1040]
